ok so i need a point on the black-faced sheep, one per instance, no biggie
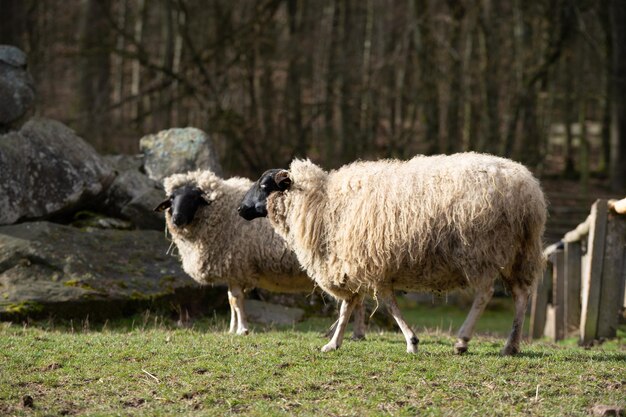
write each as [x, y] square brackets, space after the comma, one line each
[431, 223]
[218, 247]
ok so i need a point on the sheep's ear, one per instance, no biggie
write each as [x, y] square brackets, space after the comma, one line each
[281, 178]
[164, 205]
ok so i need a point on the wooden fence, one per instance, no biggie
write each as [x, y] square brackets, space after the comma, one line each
[583, 288]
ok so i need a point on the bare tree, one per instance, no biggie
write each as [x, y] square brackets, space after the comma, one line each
[13, 27]
[95, 70]
[617, 11]
[429, 94]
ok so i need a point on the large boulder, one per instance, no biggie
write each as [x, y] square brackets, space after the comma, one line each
[178, 150]
[47, 170]
[17, 92]
[272, 314]
[133, 195]
[121, 163]
[48, 268]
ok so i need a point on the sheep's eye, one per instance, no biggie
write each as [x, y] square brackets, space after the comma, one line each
[263, 186]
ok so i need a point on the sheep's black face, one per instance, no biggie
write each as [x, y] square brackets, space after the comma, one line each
[183, 204]
[254, 203]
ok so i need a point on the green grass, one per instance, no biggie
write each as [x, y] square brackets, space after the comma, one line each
[148, 366]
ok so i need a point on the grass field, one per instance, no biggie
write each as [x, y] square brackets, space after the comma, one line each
[147, 366]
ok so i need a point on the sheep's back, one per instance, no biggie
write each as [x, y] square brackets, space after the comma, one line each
[430, 222]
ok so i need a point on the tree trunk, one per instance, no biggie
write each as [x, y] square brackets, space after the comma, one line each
[429, 97]
[584, 146]
[293, 92]
[119, 64]
[13, 27]
[489, 24]
[456, 99]
[176, 67]
[400, 77]
[135, 85]
[349, 134]
[365, 118]
[330, 135]
[617, 11]
[569, 171]
[95, 71]
[471, 125]
[607, 101]
[163, 114]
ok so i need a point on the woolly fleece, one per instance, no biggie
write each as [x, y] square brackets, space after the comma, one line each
[431, 223]
[219, 247]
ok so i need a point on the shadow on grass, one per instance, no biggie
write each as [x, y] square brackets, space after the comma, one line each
[434, 325]
[572, 354]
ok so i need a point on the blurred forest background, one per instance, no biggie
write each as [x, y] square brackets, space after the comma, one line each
[539, 81]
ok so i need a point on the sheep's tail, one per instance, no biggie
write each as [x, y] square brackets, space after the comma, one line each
[530, 260]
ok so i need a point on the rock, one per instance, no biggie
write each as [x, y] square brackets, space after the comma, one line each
[48, 268]
[267, 313]
[134, 196]
[178, 150]
[13, 56]
[84, 219]
[121, 163]
[608, 410]
[17, 92]
[47, 170]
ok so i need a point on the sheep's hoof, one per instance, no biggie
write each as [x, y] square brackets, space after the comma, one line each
[411, 347]
[509, 350]
[243, 332]
[329, 347]
[358, 337]
[460, 348]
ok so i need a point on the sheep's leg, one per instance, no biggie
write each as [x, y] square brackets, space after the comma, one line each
[411, 340]
[344, 316]
[233, 314]
[520, 298]
[358, 325]
[235, 295]
[481, 299]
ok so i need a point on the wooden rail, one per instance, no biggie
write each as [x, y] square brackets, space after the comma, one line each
[583, 288]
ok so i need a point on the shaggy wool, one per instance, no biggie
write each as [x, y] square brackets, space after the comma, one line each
[219, 247]
[430, 223]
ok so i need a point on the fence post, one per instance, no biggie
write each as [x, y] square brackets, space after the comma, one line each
[558, 294]
[592, 274]
[572, 285]
[612, 276]
[539, 303]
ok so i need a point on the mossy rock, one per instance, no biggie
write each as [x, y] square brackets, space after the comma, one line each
[48, 268]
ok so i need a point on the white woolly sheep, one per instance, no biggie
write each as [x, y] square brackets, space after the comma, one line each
[218, 247]
[431, 223]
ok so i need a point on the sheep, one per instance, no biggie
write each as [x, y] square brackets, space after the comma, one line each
[433, 223]
[217, 246]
